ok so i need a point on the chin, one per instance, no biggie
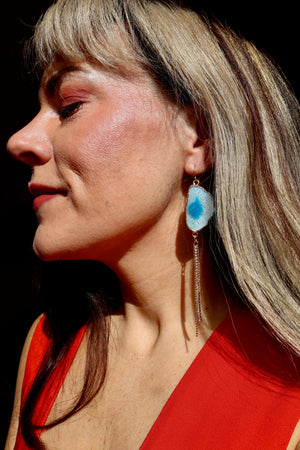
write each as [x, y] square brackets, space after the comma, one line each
[54, 250]
[46, 254]
[50, 246]
[48, 250]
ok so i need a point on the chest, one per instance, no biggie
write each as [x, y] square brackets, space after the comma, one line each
[123, 412]
[221, 397]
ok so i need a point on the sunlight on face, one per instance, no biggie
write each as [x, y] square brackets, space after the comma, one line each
[107, 161]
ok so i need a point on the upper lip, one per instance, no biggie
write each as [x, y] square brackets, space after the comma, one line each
[39, 189]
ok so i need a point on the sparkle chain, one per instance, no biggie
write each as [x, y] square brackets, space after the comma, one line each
[197, 281]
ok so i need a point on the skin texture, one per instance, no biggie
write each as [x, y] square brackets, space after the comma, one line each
[110, 156]
[118, 154]
[118, 160]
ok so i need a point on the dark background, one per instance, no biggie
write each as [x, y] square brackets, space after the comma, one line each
[273, 29]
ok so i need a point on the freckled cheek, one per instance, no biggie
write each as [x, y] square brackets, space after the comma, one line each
[106, 139]
[109, 143]
[93, 141]
[113, 139]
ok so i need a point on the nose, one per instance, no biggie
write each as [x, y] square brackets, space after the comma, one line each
[32, 144]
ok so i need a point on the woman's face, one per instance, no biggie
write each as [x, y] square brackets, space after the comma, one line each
[107, 162]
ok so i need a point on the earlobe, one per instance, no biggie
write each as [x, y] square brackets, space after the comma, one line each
[199, 158]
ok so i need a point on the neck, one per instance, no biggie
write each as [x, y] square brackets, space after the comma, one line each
[156, 285]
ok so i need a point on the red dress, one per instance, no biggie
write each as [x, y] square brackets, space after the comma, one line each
[242, 392]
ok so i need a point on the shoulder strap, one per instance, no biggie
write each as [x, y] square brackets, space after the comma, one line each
[37, 351]
[38, 347]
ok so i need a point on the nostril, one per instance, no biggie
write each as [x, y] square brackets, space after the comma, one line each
[28, 149]
[29, 158]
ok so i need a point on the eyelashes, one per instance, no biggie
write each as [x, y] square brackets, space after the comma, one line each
[68, 111]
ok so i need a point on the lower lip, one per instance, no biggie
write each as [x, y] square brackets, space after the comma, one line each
[41, 199]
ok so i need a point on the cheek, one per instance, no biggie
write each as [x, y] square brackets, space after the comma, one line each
[120, 154]
[117, 139]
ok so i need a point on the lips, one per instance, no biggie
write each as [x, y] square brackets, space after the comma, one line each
[43, 193]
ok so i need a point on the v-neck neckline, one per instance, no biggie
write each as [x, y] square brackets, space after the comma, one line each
[213, 339]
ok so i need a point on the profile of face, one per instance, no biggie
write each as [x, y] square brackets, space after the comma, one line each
[108, 155]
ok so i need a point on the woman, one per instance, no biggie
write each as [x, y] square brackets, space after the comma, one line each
[198, 345]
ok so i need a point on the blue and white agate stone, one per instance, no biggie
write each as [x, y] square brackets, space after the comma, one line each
[199, 209]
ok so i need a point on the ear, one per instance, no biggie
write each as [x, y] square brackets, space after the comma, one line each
[199, 156]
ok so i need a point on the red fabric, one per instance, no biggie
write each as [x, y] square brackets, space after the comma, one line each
[241, 392]
[38, 348]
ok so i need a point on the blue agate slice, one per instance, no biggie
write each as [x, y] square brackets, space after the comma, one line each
[199, 209]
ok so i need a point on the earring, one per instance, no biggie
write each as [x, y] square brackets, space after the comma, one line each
[199, 209]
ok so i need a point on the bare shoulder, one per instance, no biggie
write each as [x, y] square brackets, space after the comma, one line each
[12, 433]
[295, 439]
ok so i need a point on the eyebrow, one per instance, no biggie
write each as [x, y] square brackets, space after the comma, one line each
[51, 84]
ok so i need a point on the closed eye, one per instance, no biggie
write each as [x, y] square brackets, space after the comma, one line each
[69, 110]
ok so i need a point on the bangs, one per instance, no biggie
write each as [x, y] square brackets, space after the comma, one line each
[92, 30]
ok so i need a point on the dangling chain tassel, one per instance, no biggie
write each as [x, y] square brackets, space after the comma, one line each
[199, 209]
[197, 284]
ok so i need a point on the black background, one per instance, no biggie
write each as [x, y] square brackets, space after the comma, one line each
[273, 29]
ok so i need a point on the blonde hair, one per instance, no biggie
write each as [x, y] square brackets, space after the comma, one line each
[251, 118]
